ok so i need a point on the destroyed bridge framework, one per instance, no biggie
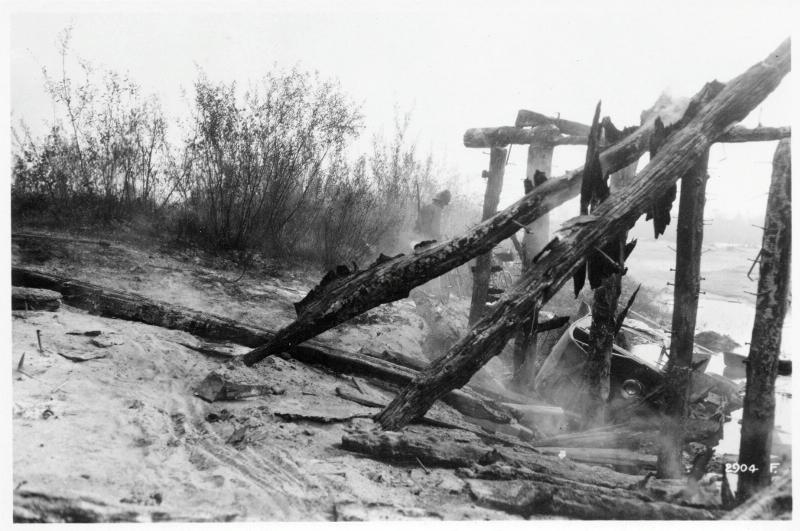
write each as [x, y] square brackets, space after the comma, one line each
[678, 150]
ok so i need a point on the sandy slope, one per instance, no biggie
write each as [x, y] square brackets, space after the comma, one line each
[126, 429]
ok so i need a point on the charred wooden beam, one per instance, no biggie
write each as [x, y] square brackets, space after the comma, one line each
[758, 417]
[444, 452]
[484, 137]
[735, 135]
[117, 304]
[684, 316]
[531, 483]
[482, 270]
[618, 213]
[757, 134]
[534, 119]
[604, 268]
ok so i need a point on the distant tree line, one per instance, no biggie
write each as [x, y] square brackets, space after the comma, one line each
[268, 170]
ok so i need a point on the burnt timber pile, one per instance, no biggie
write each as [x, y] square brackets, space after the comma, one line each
[599, 471]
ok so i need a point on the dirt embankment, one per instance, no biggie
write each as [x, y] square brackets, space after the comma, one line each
[122, 433]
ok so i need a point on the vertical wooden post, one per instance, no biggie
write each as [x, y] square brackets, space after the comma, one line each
[758, 418]
[483, 264]
[684, 315]
[537, 234]
[540, 158]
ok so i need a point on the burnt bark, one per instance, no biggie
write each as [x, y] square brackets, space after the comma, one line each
[618, 213]
[530, 483]
[527, 118]
[687, 290]
[486, 137]
[597, 370]
[482, 270]
[758, 418]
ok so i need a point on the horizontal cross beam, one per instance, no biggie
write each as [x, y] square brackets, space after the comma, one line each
[485, 137]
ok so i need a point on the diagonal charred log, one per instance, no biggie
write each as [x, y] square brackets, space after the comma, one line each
[617, 214]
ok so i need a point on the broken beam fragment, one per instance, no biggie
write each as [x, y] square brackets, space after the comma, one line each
[532, 119]
[682, 151]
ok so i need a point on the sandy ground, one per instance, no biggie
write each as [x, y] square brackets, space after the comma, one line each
[126, 429]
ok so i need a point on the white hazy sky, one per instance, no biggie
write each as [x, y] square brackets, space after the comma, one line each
[454, 64]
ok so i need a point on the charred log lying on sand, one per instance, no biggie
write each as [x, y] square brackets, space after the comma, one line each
[129, 306]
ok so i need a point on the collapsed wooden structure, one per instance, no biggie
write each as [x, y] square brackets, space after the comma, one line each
[346, 293]
[681, 152]
[710, 117]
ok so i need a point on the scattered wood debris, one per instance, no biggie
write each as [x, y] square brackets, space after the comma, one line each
[214, 387]
[79, 356]
[88, 333]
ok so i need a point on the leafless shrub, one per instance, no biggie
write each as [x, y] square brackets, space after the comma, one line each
[270, 170]
[110, 156]
[258, 163]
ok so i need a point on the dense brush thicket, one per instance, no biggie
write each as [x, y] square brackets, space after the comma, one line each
[268, 170]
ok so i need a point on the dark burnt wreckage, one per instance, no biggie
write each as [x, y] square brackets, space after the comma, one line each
[605, 407]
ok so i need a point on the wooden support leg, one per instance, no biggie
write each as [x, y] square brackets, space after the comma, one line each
[537, 234]
[483, 264]
[684, 315]
[758, 418]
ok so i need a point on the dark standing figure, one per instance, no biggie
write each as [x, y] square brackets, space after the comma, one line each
[429, 221]
[429, 227]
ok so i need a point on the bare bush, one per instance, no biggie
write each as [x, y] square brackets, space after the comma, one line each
[108, 159]
[256, 164]
[270, 170]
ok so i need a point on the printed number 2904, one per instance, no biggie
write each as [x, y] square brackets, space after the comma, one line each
[735, 468]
